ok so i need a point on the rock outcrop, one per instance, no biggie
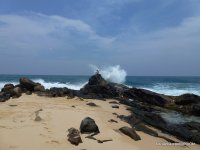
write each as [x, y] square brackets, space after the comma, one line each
[130, 132]
[149, 114]
[27, 84]
[145, 106]
[98, 87]
[147, 96]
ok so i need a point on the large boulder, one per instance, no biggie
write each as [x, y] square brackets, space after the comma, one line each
[147, 96]
[4, 97]
[97, 79]
[187, 99]
[60, 92]
[17, 91]
[74, 136]
[196, 109]
[39, 88]
[98, 87]
[27, 84]
[149, 115]
[88, 126]
[8, 88]
[130, 132]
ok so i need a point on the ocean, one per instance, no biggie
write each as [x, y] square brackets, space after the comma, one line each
[165, 85]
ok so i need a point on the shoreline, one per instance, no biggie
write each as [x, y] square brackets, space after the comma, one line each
[19, 130]
[141, 110]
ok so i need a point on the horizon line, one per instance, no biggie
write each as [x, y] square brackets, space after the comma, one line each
[93, 74]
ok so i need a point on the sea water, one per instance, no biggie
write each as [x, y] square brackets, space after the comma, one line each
[160, 84]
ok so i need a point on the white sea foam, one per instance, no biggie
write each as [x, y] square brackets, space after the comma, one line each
[112, 73]
[48, 85]
[2, 83]
[169, 90]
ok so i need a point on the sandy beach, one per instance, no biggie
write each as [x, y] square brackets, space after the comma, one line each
[20, 131]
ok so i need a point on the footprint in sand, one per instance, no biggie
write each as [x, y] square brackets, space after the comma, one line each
[54, 141]
[13, 147]
[42, 135]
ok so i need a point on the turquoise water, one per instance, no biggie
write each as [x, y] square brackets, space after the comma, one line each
[164, 85]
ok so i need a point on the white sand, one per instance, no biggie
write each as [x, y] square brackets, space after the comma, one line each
[19, 131]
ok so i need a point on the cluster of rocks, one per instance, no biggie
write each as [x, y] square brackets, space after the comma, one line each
[25, 86]
[148, 114]
[143, 103]
[89, 126]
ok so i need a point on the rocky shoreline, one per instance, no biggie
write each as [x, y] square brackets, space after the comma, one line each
[143, 105]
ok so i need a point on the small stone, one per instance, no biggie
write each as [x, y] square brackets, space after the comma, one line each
[74, 136]
[92, 104]
[113, 102]
[112, 120]
[115, 106]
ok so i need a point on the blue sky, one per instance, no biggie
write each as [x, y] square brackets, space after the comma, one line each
[145, 37]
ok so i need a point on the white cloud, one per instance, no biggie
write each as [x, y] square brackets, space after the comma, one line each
[175, 48]
[31, 33]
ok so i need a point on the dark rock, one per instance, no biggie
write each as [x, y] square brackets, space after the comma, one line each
[196, 109]
[185, 132]
[17, 91]
[98, 87]
[88, 125]
[27, 84]
[12, 105]
[186, 99]
[41, 93]
[74, 136]
[130, 132]
[39, 88]
[97, 79]
[131, 119]
[115, 114]
[167, 139]
[145, 129]
[103, 141]
[92, 104]
[91, 137]
[147, 96]
[113, 102]
[8, 88]
[28, 92]
[112, 120]
[4, 97]
[115, 106]
[61, 92]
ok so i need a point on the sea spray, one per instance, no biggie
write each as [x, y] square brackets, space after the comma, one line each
[112, 73]
[48, 85]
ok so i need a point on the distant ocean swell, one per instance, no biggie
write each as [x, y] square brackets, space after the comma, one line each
[48, 85]
[174, 89]
[164, 85]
